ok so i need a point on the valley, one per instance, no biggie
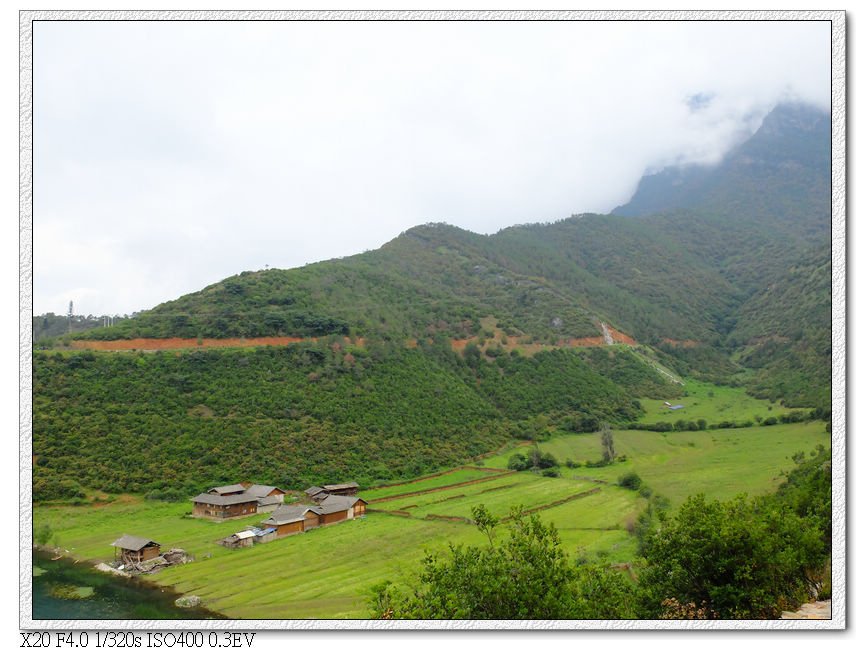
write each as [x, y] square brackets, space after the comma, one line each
[328, 572]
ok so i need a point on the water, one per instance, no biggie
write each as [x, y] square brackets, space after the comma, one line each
[112, 597]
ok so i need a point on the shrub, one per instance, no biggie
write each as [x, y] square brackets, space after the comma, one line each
[631, 481]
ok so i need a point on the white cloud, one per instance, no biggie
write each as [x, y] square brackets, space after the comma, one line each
[175, 154]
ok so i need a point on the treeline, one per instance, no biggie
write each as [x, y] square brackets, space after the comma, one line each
[701, 424]
[170, 424]
[747, 558]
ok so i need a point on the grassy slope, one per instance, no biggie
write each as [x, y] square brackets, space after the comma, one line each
[711, 403]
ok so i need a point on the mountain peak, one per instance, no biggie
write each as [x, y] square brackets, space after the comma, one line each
[788, 153]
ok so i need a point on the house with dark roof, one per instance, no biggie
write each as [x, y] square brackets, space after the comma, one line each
[336, 508]
[135, 549]
[289, 520]
[207, 504]
[342, 489]
[237, 500]
[315, 493]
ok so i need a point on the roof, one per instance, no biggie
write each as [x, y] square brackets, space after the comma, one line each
[335, 503]
[244, 534]
[341, 486]
[133, 543]
[288, 514]
[261, 491]
[228, 489]
[677, 407]
[311, 491]
[217, 500]
[269, 501]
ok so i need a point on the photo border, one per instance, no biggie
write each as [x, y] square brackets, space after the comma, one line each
[839, 331]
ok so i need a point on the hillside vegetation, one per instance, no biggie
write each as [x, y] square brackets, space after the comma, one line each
[724, 270]
[172, 424]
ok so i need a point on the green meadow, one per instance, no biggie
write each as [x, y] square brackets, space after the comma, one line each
[329, 572]
[711, 403]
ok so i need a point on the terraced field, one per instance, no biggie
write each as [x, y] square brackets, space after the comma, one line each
[720, 463]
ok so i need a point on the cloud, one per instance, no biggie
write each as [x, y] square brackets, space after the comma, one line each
[177, 154]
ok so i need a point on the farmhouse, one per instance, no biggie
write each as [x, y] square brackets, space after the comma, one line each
[339, 508]
[289, 520]
[318, 494]
[342, 489]
[222, 507]
[134, 550]
[237, 500]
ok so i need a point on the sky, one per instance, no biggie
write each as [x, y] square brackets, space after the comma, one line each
[170, 155]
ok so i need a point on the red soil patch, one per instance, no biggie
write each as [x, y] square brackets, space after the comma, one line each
[179, 344]
[619, 337]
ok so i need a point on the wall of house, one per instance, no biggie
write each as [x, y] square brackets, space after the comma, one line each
[289, 529]
[334, 517]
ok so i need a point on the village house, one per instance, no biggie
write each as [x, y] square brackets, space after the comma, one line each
[134, 550]
[237, 500]
[292, 519]
[318, 494]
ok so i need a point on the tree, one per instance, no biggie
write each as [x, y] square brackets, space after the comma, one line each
[607, 448]
[728, 560]
[528, 576]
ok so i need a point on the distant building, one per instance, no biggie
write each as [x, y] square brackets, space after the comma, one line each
[677, 407]
[342, 489]
[237, 500]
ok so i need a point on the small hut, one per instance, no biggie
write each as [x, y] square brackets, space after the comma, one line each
[242, 539]
[134, 550]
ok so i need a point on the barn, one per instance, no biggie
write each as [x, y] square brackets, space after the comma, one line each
[135, 549]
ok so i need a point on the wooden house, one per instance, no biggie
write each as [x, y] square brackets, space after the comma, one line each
[237, 500]
[208, 504]
[336, 508]
[288, 520]
[315, 493]
[269, 497]
[134, 550]
[342, 489]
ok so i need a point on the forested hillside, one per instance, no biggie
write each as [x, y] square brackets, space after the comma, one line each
[172, 424]
[723, 271]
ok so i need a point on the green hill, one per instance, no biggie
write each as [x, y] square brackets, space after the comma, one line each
[720, 273]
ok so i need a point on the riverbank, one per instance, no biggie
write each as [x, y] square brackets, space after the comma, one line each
[68, 588]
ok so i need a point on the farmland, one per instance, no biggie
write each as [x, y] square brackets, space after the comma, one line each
[327, 572]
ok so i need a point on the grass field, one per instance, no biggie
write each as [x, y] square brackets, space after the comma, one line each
[460, 475]
[711, 403]
[328, 572]
[720, 463]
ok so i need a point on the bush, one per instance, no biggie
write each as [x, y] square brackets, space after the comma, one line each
[630, 481]
[518, 462]
[734, 560]
[551, 472]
